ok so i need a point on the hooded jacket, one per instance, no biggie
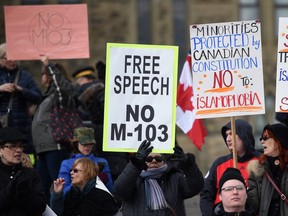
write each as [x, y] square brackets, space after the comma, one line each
[209, 195]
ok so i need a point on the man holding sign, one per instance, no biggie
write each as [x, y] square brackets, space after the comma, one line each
[245, 145]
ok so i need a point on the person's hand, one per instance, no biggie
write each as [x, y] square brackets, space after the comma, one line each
[7, 87]
[10, 189]
[179, 154]
[59, 185]
[144, 150]
[45, 60]
[18, 88]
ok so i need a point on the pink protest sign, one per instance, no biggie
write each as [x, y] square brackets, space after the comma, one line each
[52, 30]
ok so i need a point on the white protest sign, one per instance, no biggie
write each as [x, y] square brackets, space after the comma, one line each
[281, 97]
[227, 69]
[140, 97]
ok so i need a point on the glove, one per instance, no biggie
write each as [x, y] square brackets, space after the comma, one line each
[179, 154]
[144, 150]
[10, 189]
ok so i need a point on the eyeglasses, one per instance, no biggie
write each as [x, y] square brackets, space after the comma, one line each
[149, 159]
[264, 138]
[231, 188]
[75, 170]
[14, 147]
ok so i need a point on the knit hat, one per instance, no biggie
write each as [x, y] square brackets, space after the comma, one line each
[280, 131]
[231, 173]
[84, 135]
[9, 134]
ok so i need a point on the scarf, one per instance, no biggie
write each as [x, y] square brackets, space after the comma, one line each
[155, 199]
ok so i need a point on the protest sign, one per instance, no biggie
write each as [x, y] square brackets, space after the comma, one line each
[140, 97]
[281, 97]
[51, 30]
[227, 69]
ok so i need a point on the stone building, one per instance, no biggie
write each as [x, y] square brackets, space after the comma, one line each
[166, 22]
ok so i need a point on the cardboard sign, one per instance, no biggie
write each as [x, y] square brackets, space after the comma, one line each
[51, 30]
[140, 97]
[281, 98]
[227, 69]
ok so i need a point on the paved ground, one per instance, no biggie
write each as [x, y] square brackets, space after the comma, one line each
[192, 206]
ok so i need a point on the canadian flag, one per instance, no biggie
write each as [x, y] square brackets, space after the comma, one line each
[185, 115]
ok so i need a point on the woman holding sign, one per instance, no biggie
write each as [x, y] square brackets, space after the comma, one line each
[149, 186]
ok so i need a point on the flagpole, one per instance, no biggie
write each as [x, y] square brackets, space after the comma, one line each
[234, 141]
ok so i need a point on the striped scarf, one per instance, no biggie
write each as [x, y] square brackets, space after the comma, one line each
[155, 199]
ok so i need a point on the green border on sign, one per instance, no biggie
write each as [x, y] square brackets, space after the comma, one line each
[107, 94]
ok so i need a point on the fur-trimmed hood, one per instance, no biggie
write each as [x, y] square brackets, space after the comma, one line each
[255, 168]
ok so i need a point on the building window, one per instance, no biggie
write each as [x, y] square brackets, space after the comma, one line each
[31, 2]
[249, 10]
[69, 1]
[144, 21]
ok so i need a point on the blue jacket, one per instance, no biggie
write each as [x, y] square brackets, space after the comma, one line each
[66, 166]
[19, 116]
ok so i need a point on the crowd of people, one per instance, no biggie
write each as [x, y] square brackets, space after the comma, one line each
[73, 176]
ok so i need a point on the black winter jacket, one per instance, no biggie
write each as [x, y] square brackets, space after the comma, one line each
[176, 185]
[32, 204]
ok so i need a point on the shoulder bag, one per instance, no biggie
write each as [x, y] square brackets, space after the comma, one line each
[4, 119]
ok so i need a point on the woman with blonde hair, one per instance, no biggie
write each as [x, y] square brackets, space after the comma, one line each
[85, 198]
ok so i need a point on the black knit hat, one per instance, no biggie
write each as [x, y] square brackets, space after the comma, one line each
[231, 173]
[280, 131]
[9, 134]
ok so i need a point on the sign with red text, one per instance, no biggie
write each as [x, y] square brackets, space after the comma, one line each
[227, 69]
[140, 97]
[51, 30]
[281, 102]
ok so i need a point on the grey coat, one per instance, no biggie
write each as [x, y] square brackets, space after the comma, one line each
[41, 125]
[260, 189]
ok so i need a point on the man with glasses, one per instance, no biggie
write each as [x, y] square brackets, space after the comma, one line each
[21, 191]
[149, 186]
[245, 146]
[232, 193]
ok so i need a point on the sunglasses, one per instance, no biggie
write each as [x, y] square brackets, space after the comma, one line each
[264, 138]
[75, 170]
[149, 159]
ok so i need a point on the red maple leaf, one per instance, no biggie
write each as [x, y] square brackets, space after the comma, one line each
[184, 97]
